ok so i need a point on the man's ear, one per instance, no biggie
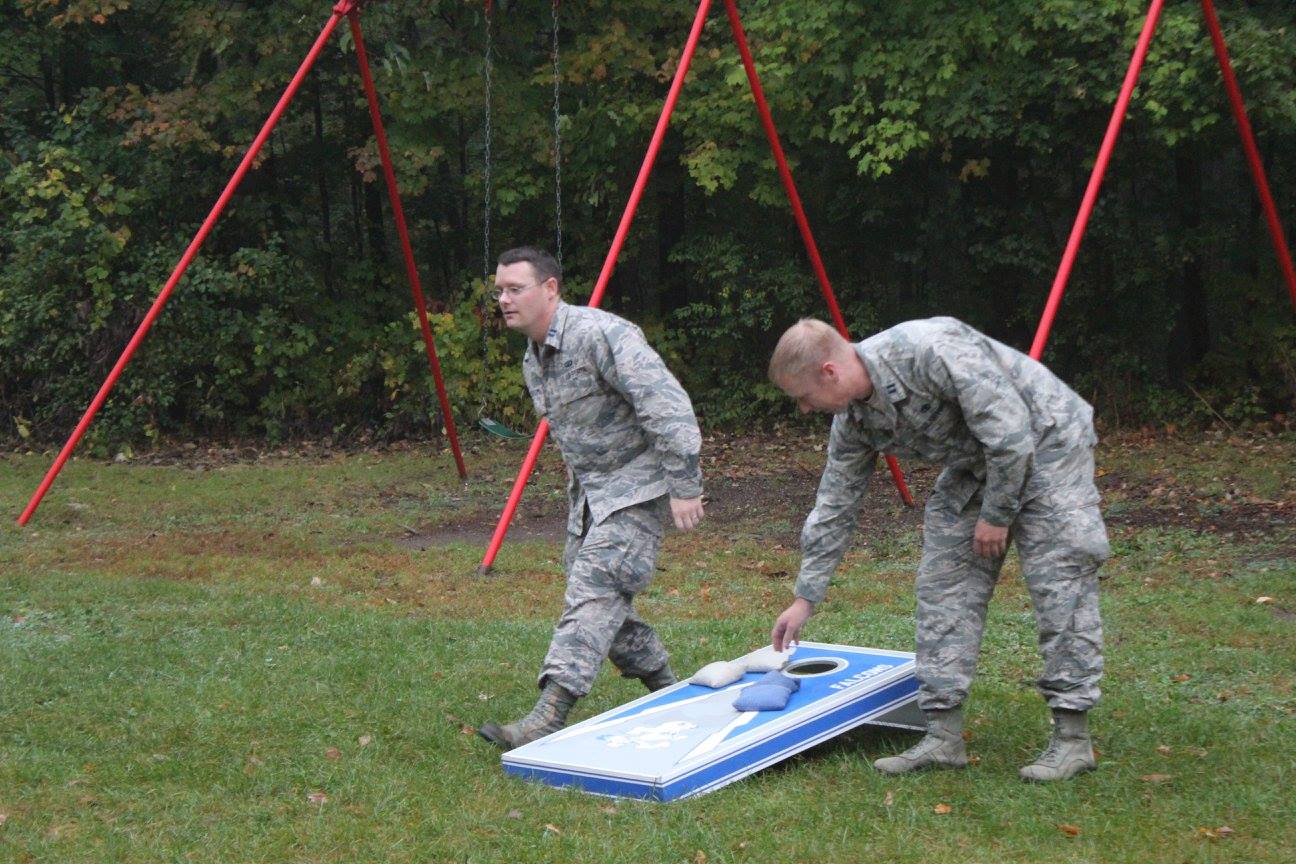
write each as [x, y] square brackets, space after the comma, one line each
[829, 371]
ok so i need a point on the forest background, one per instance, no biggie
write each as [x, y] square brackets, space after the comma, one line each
[941, 149]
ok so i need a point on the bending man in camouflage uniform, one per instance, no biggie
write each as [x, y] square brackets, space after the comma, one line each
[1017, 447]
[628, 435]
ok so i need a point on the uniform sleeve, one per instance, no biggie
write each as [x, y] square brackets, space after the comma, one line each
[831, 524]
[663, 408]
[995, 414]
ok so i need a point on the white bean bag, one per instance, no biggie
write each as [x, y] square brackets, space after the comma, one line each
[718, 674]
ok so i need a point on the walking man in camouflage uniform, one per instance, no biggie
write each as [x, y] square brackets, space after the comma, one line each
[627, 432]
[1017, 449]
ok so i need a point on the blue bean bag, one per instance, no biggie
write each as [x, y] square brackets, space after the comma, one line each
[770, 693]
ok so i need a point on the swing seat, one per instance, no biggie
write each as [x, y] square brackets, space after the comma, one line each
[499, 430]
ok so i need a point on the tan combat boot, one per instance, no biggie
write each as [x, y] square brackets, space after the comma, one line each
[660, 679]
[1069, 751]
[942, 747]
[549, 715]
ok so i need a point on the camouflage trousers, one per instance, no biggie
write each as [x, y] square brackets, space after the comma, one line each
[606, 567]
[1061, 541]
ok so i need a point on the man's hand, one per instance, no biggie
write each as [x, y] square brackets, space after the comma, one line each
[787, 629]
[989, 541]
[687, 512]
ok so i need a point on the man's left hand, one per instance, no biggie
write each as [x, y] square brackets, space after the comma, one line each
[989, 541]
[687, 512]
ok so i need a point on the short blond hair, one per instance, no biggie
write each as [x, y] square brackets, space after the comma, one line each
[805, 346]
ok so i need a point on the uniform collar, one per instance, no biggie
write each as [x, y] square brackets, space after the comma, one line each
[887, 389]
[557, 326]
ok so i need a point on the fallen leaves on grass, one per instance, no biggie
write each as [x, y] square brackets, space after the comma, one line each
[1223, 832]
[4, 817]
[1070, 830]
[700, 857]
[333, 754]
[1155, 778]
[1258, 600]
[465, 728]
[765, 570]
[889, 799]
[514, 814]
[317, 798]
[1179, 679]
[316, 582]
[1164, 749]
[551, 830]
[942, 809]
[364, 740]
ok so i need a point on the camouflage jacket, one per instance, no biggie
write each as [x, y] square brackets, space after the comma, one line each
[624, 425]
[946, 393]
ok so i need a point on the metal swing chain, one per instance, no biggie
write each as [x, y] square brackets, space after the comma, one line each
[557, 144]
[486, 194]
[486, 207]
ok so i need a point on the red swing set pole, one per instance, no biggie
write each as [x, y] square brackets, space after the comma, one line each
[1109, 142]
[609, 264]
[1095, 180]
[350, 8]
[1252, 152]
[341, 9]
[623, 229]
[402, 231]
[803, 224]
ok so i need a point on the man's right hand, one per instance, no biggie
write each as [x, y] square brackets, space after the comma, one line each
[787, 629]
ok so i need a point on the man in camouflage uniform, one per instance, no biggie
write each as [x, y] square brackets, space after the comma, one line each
[1017, 448]
[627, 432]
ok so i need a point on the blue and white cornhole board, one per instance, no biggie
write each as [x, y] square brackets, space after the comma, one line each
[688, 739]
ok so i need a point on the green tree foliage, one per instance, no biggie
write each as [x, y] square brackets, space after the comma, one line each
[940, 148]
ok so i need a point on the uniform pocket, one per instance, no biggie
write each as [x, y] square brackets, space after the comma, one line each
[638, 534]
[638, 565]
[576, 397]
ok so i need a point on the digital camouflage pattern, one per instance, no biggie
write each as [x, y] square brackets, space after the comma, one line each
[624, 424]
[606, 567]
[1017, 446]
[629, 437]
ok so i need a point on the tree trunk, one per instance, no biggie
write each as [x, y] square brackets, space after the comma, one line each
[374, 219]
[357, 215]
[49, 81]
[1190, 337]
[321, 177]
[672, 222]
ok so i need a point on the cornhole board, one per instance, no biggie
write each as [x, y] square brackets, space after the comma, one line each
[689, 740]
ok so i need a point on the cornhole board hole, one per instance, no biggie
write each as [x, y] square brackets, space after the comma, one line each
[689, 740]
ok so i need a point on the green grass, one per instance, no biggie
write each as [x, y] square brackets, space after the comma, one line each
[173, 687]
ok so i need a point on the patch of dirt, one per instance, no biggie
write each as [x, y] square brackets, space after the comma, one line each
[755, 486]
[479, 526]
[762, 485]
[1235, 519]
